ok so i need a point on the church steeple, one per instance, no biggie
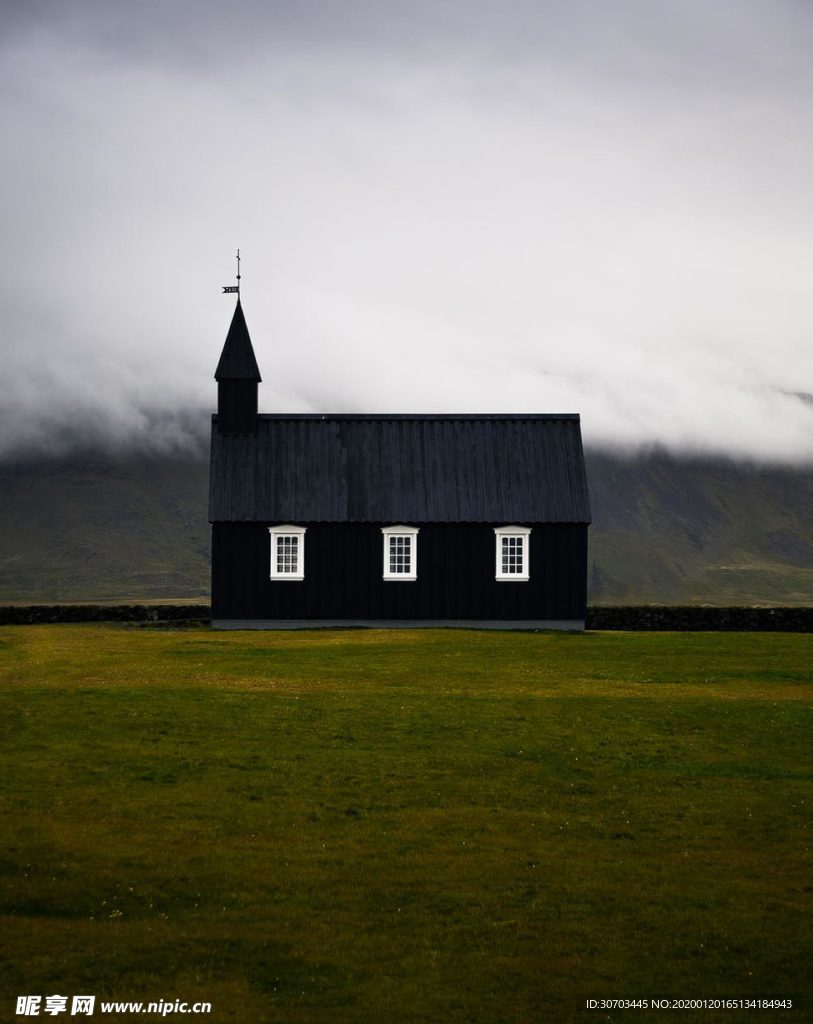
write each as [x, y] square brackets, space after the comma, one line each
[237, 360]
[237, 377]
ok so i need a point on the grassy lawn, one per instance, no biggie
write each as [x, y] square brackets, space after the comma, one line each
[438, 826]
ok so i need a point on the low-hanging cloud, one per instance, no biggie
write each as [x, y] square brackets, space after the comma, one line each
[441, 208]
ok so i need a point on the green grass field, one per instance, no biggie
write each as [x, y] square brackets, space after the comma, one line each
[428, 826]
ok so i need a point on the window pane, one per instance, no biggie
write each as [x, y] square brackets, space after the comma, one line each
[287, 555]
[399, 554]
[512, 556]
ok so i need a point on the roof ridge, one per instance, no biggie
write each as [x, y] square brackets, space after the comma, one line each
[486, 416]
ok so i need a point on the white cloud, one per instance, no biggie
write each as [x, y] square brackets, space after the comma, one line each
[537, 213]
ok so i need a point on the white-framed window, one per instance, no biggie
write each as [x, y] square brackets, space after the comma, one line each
[513, 551]
[400, 552]
[287, 552]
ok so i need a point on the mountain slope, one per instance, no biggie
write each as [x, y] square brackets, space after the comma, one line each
[699, 531]
[666, 530]
[98, 528]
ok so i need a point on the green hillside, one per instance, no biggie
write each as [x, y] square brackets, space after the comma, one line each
[666, 530]
[699, 531]
[102, 529]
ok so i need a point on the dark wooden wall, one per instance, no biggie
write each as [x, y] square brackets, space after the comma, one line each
[343, 575]
[237, 406]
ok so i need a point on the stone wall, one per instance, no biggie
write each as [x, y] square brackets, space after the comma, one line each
[633, 617]
[18, 615]
[693, 618]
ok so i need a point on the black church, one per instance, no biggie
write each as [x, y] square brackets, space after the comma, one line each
[403, 520]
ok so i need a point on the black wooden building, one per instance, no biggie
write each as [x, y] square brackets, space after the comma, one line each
[392, 519]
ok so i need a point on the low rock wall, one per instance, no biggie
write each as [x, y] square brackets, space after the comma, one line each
[693, 618]
[19, 615]
[633, 617]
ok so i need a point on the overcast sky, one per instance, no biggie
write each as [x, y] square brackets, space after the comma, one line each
[594, 206]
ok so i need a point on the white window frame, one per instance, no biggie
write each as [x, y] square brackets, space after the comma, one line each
[277, 533]
[524, 535]
[411, 533]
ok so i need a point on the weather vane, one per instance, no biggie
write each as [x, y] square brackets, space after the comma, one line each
[234, 289]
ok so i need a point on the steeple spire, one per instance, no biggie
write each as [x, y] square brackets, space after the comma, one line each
[237, 360]
[237, 374]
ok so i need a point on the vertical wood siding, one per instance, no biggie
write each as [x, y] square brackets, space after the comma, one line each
[343, 575]
[237, 407]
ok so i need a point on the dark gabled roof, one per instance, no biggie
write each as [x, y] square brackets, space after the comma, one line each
[393, 469]
[237, 361]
